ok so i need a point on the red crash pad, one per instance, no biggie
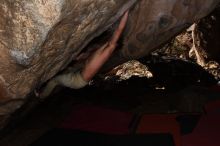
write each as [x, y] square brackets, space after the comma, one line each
[157, 123]
[213, 107]
[206, 133]
[98, 119]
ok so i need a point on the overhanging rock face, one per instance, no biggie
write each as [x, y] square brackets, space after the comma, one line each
[39, 38]
[152, 23]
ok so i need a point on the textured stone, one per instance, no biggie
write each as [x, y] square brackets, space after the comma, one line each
[154, 22]
[38, 38]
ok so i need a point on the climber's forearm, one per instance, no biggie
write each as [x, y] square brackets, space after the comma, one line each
[97, 60]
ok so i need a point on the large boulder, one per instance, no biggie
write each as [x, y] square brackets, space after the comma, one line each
[153, 23]
[39, 38]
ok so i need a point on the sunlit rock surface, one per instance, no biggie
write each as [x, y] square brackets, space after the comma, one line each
[39, 38]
